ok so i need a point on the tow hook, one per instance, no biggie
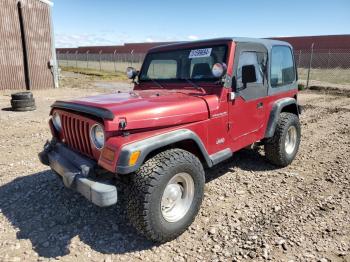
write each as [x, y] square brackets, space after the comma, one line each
[43, 155]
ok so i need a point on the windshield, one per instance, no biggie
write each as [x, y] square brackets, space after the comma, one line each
[185, 64]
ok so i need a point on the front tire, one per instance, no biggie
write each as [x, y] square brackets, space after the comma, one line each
[166, 194]
[282, 148]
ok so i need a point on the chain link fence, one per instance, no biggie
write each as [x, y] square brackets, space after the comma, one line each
[325, 67]
[102, 62]
[315, 66]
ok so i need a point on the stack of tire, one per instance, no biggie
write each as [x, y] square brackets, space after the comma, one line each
[23, 101]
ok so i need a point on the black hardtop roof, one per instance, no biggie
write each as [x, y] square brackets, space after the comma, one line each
[268, 43]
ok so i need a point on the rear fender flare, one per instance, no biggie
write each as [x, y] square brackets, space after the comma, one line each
[276, 110]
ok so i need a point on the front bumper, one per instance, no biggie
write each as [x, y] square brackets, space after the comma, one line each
[77, 173]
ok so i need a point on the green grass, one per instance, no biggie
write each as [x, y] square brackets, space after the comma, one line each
[105, 75]
[335, 75]
[301, 87]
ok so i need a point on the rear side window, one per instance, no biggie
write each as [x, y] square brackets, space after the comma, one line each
[282, 66]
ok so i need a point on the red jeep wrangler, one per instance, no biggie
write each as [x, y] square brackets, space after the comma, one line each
[192, 106]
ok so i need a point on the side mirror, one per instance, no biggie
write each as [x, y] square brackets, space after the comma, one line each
[248, 74]
[131, 73]
[219, 70]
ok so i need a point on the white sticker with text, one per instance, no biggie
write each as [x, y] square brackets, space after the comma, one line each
[205, 52]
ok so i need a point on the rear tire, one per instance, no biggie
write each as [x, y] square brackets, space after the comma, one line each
[165, 194]
[281, 149]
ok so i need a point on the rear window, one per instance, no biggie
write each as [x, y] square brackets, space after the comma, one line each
[282, 66]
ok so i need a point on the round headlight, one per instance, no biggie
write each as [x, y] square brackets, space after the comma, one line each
[97, 135]
[56, 120]
[218, 69]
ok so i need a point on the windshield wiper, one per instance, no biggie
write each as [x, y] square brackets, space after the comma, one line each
[192, 83]
[155, 82]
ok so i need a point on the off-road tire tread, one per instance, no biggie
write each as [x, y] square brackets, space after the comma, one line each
[22, 96]
[146, 178]
[274, 147]
[24, 109]
[22, 103]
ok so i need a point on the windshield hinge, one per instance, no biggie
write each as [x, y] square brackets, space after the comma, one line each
[227, 81]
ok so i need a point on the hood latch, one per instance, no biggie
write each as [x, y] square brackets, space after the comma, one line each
[122, 122]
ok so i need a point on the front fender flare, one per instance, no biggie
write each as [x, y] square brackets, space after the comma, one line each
[150, 144]
[275, 113]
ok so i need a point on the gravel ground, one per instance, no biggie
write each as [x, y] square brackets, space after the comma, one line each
[251, 211]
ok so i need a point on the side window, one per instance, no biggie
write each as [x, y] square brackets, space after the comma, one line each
[165, 69]
[251, 58]
[282, 66]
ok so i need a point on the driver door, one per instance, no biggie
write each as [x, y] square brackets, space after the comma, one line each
[247, 110]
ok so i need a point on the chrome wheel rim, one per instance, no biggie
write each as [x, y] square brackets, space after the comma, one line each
[291, 140]
[177, 197]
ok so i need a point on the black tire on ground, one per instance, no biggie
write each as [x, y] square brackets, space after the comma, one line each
[275, 147]
[22, 96]
[147, 186]
[24, 109]
[22, 103]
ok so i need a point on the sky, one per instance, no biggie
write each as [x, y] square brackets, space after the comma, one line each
[114, 22]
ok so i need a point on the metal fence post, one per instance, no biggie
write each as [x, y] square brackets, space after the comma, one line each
[100, 59]
[67, 57]
[310, 64]
[76, 59]
[87, 59]
[132, 56]
[119, 60]
[114, 61]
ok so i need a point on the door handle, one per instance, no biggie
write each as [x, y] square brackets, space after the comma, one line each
[259, 105]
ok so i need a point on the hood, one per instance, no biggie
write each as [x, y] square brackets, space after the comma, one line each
[151, 108]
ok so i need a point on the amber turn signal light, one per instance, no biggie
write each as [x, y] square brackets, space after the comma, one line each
[134, 157]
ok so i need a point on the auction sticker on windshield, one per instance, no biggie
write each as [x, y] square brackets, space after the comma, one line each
[204, 52]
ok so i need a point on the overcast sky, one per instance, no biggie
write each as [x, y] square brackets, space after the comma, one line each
[112, 22]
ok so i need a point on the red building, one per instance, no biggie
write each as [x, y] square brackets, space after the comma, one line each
[330, 51]
[327, 42]
[120, 49]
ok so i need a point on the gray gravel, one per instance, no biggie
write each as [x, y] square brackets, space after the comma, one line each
[251, 211]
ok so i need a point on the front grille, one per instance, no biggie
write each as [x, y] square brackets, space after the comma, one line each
[76, 134]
